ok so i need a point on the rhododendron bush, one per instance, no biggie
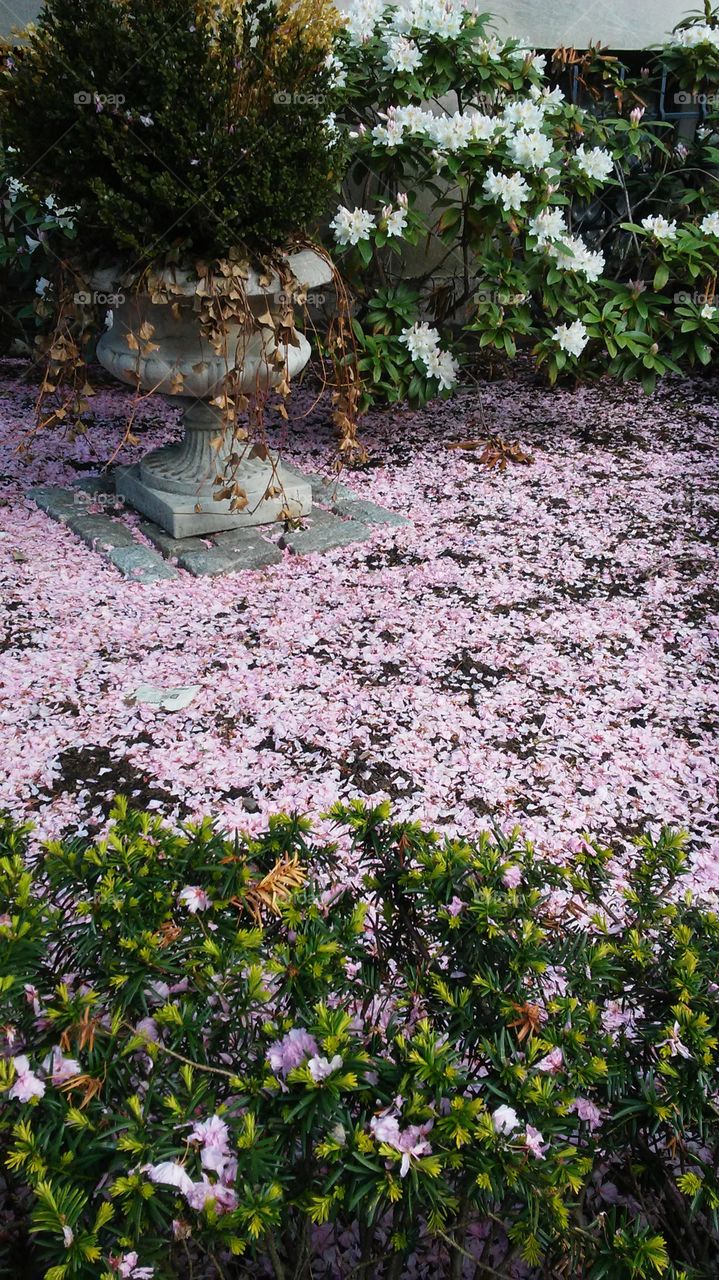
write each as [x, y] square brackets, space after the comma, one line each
[393, 1055]
[589, 233]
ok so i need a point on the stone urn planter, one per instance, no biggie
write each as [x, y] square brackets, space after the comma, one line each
[175, 486]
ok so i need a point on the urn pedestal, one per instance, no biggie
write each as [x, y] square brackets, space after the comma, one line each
[175, 486]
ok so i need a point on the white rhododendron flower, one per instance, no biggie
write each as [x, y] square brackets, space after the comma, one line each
[435, 17]
[395, 220]
[660, 227]
[422, 342]
[402, 54]
[362, 18]
[510, 189]
[443, 366]
[708, 311]
[525, 113]
[337, 70]
[530, 150]
[549, 224]
[710, 224]
[701, 33]
[571, 254]
[352, 225]
[597, 163]
[572, 338]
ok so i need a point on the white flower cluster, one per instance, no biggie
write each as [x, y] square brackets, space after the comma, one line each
[402, 54]
[520, 123]
[660, 227]
[394, 221]
[710, 224]
[597, 163]
[432, 17]
[700, 33]
[422, 342]
[572, 338]
[530, 150]
[337, 70]
[569, 252]
[510, 190]
[352, 225]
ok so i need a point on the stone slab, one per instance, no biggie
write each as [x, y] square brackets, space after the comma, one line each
[100, 532]
[323, 532]
[55, 501]
[211, 562]
[327, 489]
[250, 548]
[140, 564]
[368, 512]
[170, 547]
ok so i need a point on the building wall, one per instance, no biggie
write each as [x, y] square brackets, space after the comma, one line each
[620, 24]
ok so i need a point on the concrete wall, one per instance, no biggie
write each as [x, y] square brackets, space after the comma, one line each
[620, 24]
[15, 13]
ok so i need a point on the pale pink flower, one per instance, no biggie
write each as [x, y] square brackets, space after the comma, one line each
[26, 1085]
[60, 1067]
[553, 1063]
[129, 1270]
[321, 1068]
[194, 898]
[512, 877]
[675, 1043]
[170, 1173]
[505, 1120]
[587, 1111]
[199, 1194]
[534, 1142]
[455, 906]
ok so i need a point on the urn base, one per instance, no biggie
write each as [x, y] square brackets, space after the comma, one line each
[184, 515]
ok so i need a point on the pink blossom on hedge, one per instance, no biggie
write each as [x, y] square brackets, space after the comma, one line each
[552, 1063]
[534, 1142]
[194, 898]
[505, 1120]
[127, 1267]
[587, 1111]
[26, 1085]
[61, 1068]
[290, 1052]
